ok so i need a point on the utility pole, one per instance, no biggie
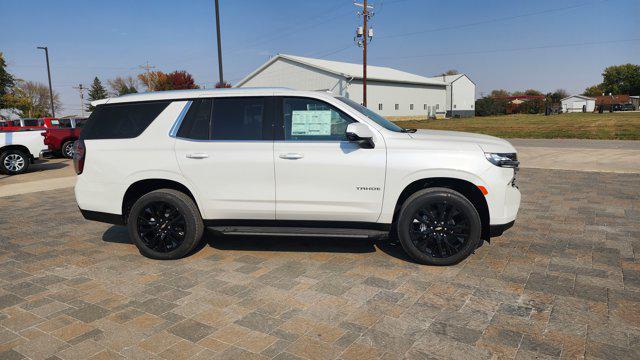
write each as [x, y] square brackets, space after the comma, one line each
[81, 89]
[363, 35]
[147, 68]
[219, 44]
[46, 53]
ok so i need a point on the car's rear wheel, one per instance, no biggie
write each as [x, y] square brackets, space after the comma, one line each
[439, 226]
[67, 149]
[165, 224]
[14, 162]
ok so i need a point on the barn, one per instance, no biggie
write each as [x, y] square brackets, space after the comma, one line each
[578, 103]
[461, 95]
[390, 92]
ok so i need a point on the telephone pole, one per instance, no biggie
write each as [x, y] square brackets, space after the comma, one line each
[81, 89]
[46, 53]
[363, 36]
[219, 44]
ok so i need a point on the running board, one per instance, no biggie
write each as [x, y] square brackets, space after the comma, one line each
[299, 231]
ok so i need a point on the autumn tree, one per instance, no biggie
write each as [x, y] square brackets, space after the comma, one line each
[222, 85]
[449, 72]
[96, 92]
[122, 86]
[180, 80]
[159, 81]
[499, 93]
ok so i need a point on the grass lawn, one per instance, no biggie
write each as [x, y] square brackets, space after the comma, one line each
[618, 126]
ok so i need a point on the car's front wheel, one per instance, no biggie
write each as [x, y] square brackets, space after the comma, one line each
[165, 224]
[14, 162]
[438, 226]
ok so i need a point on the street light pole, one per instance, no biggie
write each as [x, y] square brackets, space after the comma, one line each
[219, 44]
[46, 53]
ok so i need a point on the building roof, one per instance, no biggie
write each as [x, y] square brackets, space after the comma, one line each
[578, 96]
[349, 70]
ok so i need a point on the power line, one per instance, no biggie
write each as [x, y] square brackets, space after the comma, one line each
[488, 21]
[81, 89]
[510, 49]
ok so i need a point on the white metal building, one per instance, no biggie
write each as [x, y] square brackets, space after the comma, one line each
[461, 95]
[578, 103]
[390, 92]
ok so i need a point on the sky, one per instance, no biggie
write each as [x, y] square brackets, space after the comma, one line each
[499, 44]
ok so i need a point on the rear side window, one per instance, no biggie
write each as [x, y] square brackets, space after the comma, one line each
[121, 121]
[238, 118]
[196, 123]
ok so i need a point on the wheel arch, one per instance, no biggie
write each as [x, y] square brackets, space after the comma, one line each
[22, 148]
[145, 186]
[464, 187]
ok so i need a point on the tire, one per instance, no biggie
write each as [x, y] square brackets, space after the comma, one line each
[428, 237]
[14, 162]
[171, 237]
[67, 149]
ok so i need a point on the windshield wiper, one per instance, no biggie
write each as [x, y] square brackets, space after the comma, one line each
[409, 130]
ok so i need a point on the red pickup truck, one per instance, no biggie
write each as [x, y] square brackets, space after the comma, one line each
[60, 141]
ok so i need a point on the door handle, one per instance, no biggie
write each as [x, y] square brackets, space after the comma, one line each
[197, 156]
[291, 156]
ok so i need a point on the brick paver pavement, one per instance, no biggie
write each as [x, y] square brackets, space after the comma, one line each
[564, 282]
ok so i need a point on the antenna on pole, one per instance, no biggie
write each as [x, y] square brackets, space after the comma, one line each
[81, 89]
[363, 35]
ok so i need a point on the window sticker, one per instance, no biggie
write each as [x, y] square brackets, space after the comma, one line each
[311, 122]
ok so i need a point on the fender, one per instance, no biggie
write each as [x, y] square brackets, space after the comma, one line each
[162, 175]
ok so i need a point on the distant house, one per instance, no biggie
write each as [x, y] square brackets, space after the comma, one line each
[608, 100]
[635, 100]
[461, 95]
[578, 103]
[515, 102]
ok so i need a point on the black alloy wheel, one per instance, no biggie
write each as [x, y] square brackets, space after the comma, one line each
[438, 226]
[161, 226]
[439, 229]
[165, 224]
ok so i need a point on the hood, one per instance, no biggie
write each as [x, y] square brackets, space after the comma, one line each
[487, 143]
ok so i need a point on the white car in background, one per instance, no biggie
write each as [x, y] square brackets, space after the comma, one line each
[19, 149]
[279, 161]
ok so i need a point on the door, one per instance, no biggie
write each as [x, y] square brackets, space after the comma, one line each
[320, 175]
[224, 147]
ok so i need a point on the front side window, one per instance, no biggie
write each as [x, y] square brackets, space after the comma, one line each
[238, 118]
[64, 123]
[377, 118]
[195, 124]
[309, 119]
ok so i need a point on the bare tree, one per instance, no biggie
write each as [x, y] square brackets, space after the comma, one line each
[33, 99]
[123, 85]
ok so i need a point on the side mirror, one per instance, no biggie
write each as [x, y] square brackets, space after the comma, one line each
[360, 134]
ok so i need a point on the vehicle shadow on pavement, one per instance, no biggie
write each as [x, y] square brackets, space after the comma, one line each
[218, 241]
[47, 166]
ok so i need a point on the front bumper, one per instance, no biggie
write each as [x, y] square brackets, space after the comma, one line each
[497, 230]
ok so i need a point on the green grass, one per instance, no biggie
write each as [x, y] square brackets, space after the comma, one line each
[609, 126]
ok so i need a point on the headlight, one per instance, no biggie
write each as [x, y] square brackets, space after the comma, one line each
[508, 160]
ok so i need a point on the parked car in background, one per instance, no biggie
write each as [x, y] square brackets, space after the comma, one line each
[60, 141]
[19, 149]
[279, 161]
[29, 123]
[627, 107]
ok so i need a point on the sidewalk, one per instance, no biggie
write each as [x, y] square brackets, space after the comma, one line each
[581, 155]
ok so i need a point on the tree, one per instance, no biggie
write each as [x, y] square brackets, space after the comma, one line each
[153, 80]
[122, 86]
[449, 72]
[490, 105]
[31, 99]
[501, 93]
[556, 96]
[96, 92]
[532, 92]
[222, 85]
[7, 82]
[621, 79]
[595, 90]
[181, 80]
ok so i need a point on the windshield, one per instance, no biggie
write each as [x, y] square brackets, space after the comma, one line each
[372, 115]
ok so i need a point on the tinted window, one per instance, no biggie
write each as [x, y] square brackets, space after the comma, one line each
[65, 123]
[310, 119]
[239, 118]
[31, 122]
[371, 115]
[122, 121]
[195, 124]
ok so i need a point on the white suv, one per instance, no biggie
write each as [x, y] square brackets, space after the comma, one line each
[280, 161]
